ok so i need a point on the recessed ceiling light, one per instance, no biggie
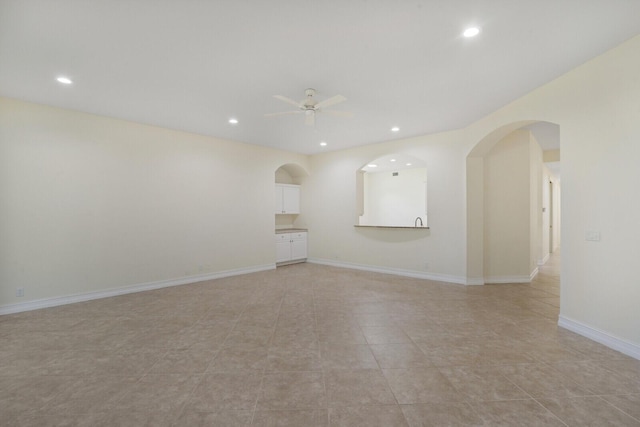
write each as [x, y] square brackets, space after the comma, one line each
[395, 129]
[324, 144]
[392, 160]
[64, 80]
[233, 121]
[372, 165]
[408, 164]
[471, 32]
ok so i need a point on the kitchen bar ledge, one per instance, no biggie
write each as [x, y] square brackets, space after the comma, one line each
[404, 227]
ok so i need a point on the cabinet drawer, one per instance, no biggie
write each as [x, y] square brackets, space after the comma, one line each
[299, 236]
[283, 237]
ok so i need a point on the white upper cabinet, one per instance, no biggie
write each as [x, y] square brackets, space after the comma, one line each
[287, 199]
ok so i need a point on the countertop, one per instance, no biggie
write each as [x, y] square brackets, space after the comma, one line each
[404, 227]
[290, 230]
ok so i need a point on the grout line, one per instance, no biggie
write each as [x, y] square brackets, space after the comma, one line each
[620, 409]
[550, 411]
[264, 369]
[324, 379]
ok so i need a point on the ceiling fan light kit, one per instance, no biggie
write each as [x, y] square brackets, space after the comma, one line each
[309, 106]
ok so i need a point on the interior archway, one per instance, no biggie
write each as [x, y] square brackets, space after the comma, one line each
[488, 222]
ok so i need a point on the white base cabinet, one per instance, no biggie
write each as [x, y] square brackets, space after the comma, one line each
[291, 247]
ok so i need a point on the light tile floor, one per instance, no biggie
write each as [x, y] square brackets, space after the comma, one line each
[311, 345]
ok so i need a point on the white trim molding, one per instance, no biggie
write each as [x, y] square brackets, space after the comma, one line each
[512, 279]
[141, 287]
[460, 280]
[507, 279]
[544, 260]
[533, 274]
[604, 338]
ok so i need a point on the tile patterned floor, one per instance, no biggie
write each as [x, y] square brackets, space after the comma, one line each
[311, 345]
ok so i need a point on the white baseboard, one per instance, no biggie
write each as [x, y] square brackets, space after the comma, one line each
[475, 281]
[602, 337]
[533, 274]
[70, 299]
[389, 270]
[506, 279]
[544, 260]
[512, 279]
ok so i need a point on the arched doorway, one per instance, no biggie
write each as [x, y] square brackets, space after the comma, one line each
[512, 202]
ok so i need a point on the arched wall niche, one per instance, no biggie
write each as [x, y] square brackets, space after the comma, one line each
[290, 173]
[481, 212]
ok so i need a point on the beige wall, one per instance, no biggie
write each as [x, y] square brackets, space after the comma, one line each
[535, 207]
[508, 209]
[556, 213]
[92, 204]
[546, 216]
[331, 215]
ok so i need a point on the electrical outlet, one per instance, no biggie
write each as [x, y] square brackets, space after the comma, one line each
[592, 236]
[19, 292]
[426, 265]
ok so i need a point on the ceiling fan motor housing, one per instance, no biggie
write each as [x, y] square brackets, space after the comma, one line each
[308, 104]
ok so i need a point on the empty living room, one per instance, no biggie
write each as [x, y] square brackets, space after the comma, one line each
[302, 213]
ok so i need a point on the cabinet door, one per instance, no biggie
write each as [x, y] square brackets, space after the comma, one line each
[278, 199]
[283, 247]
[291, 200]
[299, 246]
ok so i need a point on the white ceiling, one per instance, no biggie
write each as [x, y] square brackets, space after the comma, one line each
[393, 162]
[191, 65]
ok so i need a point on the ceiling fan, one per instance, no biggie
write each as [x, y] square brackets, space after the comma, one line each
[309, 107]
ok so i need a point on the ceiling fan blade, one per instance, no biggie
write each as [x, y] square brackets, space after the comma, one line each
[282, 113]
[287, 100]
[337, 113]
[310, 119]
[331, 101]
